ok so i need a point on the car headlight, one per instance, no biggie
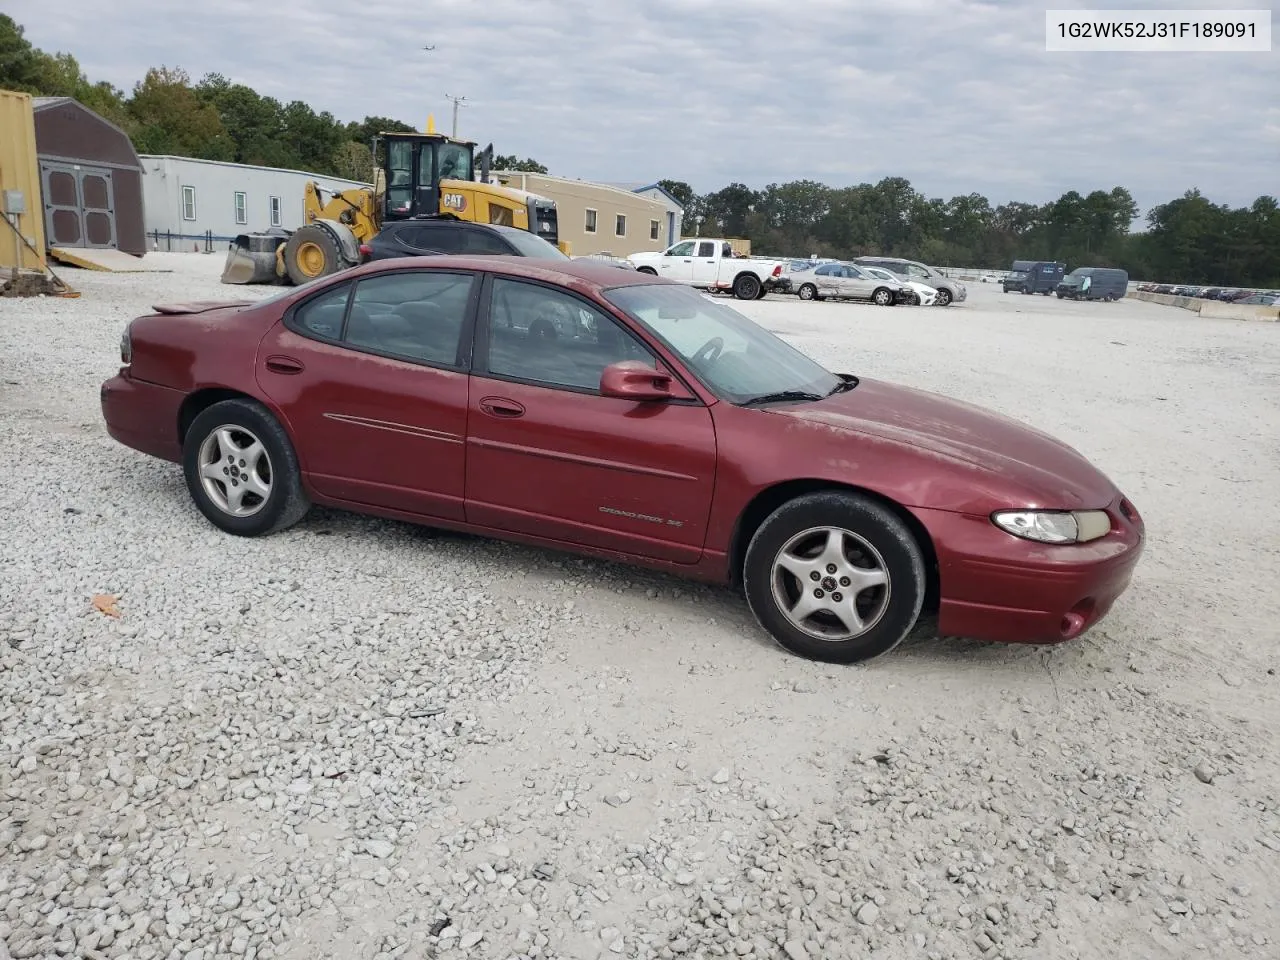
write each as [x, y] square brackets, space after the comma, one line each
[1054, 526]
[126, 347]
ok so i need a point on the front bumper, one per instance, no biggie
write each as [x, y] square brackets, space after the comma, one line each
[997, 587]
[142, 415]
[778, 285]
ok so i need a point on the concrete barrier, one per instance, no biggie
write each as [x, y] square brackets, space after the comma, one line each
[1217, 310]
[1210, 309]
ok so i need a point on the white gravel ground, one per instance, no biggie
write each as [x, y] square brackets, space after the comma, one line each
[361, 739]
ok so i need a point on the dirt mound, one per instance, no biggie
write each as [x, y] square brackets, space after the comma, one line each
[32, 285]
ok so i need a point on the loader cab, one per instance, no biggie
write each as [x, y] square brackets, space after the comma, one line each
[414, 164]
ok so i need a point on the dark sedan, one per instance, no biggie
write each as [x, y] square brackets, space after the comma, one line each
[428, 237]
[615, 414]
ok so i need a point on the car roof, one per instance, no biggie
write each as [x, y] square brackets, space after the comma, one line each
[578, 274]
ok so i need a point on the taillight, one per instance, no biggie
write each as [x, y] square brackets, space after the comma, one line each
[777, 271]
[365, 250]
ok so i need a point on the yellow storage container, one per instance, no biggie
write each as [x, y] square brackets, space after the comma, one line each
[19, 186]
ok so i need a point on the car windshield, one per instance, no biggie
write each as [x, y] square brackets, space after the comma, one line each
[734, 357]
[530, 245]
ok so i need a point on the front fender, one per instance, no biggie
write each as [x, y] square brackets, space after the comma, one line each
[343, 237]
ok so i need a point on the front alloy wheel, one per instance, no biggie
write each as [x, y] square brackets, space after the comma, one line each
[830, 583]
[835, 576]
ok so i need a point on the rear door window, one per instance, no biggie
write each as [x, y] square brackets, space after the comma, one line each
[411, 314]
[435, 239]
[322, 316]
[482, 243]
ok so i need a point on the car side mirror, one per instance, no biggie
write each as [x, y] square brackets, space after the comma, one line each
[634, 380]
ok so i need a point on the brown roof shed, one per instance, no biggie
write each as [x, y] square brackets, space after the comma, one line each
[90, 179]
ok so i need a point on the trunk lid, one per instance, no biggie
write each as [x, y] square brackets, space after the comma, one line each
[199, 306]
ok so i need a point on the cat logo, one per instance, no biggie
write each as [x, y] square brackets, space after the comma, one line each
[456, 202]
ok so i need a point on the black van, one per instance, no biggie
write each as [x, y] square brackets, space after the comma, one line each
[1094, 283]
[1034, 276]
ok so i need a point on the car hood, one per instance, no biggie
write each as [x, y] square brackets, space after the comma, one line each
[1034, 464]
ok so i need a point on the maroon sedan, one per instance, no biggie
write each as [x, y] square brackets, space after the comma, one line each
[611, 413]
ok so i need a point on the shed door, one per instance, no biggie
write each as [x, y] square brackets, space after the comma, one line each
[79, 205]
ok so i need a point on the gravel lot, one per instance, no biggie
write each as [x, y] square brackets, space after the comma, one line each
[365, 739]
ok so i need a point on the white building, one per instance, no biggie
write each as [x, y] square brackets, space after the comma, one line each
[188, 200]
[675, 209]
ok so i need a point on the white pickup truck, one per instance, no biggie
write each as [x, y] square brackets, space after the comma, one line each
[711, 264]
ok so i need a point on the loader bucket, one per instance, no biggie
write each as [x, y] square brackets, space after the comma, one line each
[251, 258]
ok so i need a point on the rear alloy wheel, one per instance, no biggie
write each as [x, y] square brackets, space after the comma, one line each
[835, 576]
[883, 297]
[241, 470]
[944, 297]
[807, 292]
[747, 287]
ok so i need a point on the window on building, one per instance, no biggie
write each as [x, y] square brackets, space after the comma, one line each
[654, 227]
[275, 211]
[620, 227]
[591, 221]
[242, 208]
[188, 203]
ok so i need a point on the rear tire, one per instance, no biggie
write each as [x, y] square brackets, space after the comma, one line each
[747, 286]
[236, 454]
[807, 292]
[842, 622]
[310, 253]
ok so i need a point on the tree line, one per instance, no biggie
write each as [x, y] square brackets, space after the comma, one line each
[1188, 240]
[212, 119]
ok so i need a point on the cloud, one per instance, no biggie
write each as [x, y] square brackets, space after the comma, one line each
[957, 96]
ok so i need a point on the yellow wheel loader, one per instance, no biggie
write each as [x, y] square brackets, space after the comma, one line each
[419, 175]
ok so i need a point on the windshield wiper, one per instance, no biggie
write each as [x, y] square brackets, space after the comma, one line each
[781, 396]
[847, 382]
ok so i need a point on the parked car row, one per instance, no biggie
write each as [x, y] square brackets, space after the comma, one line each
[707, 263]
[883, 280]
[1268, 298]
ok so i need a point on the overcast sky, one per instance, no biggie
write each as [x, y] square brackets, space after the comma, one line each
[955, 95]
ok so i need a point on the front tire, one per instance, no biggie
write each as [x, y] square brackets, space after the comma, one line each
[807, 292]
[747, 286]
[310, 253]
[883, 297]
[649, 270]
[242, 471]
[870, 577]
[944, 298]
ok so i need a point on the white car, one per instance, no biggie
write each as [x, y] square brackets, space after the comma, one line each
[926, 293]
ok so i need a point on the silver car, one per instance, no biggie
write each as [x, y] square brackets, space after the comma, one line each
[949, 291]
[846, 281]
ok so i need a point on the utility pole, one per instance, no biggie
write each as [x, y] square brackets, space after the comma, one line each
[457, 101]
